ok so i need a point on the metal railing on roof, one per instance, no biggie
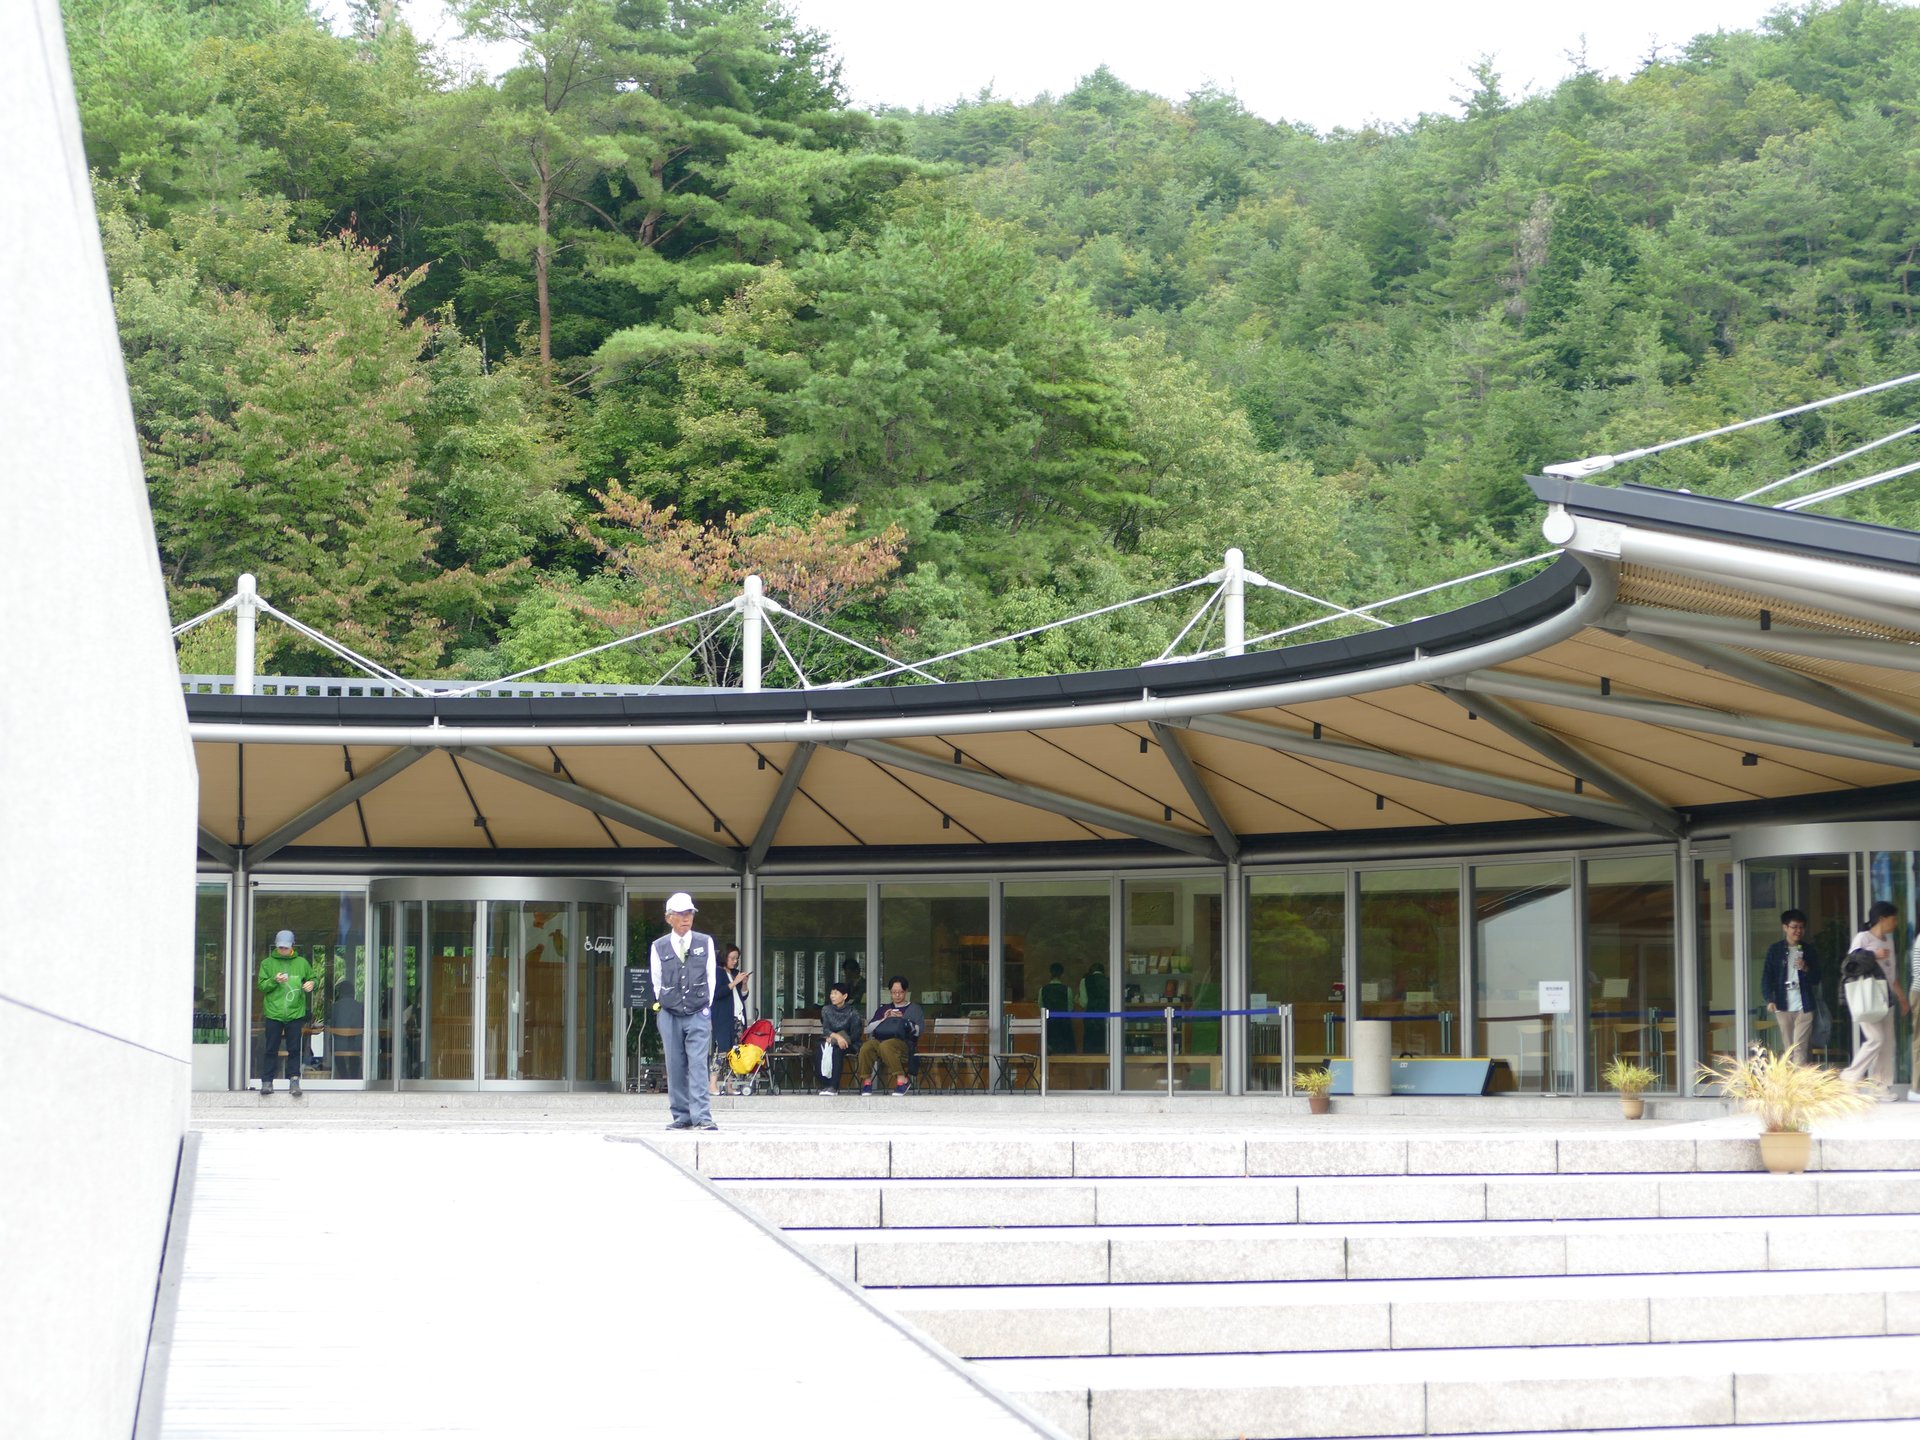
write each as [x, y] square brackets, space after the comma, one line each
[353, 687]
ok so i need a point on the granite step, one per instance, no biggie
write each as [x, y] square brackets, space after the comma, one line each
[960, 1204]
[987, 1155]
[1469, 1392]
[1184, 1254]
[999, 1322]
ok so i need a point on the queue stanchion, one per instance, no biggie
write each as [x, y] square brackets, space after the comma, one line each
[1168, 1012]
[1286, 1049]
[1045, 1015]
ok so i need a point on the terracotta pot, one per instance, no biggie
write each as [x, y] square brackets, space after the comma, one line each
[1318, 1104]
[1632, 1106]
[1786, 1152]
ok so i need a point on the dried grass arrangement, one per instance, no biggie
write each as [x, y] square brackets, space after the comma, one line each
[1787, 1096]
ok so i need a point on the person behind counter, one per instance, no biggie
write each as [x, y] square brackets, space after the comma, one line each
[286, 980]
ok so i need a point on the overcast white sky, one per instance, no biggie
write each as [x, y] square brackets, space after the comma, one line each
[1327, 64]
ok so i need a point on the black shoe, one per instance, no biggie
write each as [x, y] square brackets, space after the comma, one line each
[293, 1088]
[680, 1125]
[266, 1090]
[709, 1125]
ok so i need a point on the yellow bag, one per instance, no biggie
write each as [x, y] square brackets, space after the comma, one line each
[745, 1059]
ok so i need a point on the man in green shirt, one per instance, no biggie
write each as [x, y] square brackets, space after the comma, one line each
[286, 979]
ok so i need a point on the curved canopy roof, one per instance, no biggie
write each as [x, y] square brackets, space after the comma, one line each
[1686, 660]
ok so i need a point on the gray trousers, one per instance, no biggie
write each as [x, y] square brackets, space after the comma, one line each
[686, 1039]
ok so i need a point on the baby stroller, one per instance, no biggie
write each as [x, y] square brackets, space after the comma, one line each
[747, 1062]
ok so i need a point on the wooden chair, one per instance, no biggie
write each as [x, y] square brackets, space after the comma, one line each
[1019, 1062]
[345, 1043]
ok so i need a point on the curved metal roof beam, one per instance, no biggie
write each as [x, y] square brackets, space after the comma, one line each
[605, 805]
[332, 804]
[898, 757]
[1426, 772]
[1661, 817]
[1676, 716]
[1197, 791]
[1638, 620]
[1779, 680]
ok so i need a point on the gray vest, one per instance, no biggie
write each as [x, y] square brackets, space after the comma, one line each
[683, 985]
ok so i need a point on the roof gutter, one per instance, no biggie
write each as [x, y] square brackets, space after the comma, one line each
[1587, 609]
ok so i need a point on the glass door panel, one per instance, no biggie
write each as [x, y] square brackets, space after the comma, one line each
[1630, 967]
[595, 1000]
[440, 995]
[1410, 957]
[1297, 950]
[1822, 886]
[1894, 876]
[1523, 974]
[1056, 937]
[525, 1015]
[1718, 1015]
[1170, 943]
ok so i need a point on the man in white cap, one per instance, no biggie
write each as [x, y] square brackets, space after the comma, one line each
[285, 980]
[682, 964]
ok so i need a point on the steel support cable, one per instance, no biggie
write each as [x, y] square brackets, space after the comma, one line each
[805, 684]
[1212, 600]
[1253, 579]
[372, 667]
[185, 625]
[1828, 464]
[1364, 610]
[846, 640]
[1028, 633]
[1594, 464]
[593, 650]
[1834, 492]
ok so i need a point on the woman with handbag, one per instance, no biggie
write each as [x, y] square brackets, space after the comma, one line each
[1871, 992]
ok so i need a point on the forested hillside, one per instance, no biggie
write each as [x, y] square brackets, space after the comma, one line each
[474, 373]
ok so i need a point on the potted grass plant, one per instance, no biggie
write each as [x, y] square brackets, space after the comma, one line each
[1314, 1084]
[1630, 1080]
[1789, 1098]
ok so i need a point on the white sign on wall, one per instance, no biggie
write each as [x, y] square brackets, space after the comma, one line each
[1556, 997]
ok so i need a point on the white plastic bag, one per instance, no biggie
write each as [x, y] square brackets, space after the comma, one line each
[826, 1060]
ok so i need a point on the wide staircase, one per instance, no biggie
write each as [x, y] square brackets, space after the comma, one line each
[1135, 1287]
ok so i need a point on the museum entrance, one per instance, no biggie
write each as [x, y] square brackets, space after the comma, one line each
[1833, 873]
[492, 984]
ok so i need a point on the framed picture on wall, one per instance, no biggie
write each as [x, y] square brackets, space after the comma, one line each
[1158, 909]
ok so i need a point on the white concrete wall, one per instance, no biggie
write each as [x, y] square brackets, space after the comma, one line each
[97, 797]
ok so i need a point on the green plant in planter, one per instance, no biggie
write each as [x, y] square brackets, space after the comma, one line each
[1789, 1097]
[1629, 1079]
[1312, 1082]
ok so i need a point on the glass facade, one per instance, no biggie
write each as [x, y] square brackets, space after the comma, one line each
[1296, 955]
[210, 965]
[1549, 966]
[1717, 1012]
[1170, 943]
[1409, 950]
[1523, 974]
[1822, 886]
[936, 936]
[1631, 1000]
[1056, 952]
[810, 934]
[330, 931]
